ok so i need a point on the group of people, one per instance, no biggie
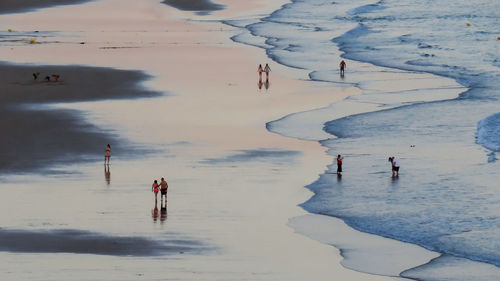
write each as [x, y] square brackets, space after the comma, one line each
[47, 78]
[161, 187]
[392, 159]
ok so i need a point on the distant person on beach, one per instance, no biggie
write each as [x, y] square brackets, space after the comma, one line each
[47, 78]
[395, 166]
[163, 189]
[342, 67]
[260, 70]
[339, 164]
[267, 69]
[155, 189]
[35, 75]
[107, 154]
[56, 77]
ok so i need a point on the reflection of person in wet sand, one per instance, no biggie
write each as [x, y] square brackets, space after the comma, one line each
[163, 211]
[107, 174]
[154, 212]
[266, 84]
[107, 154]
[260, 84]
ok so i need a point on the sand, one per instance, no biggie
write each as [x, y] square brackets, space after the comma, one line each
[200, 6]
[16, 6]
[38, 137]
[233, 186]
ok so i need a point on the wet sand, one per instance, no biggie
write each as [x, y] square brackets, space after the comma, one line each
[17, 6]
[233, 185]
[200, 6]
[36, 136]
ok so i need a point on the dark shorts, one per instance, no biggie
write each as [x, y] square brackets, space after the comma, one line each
[339, 168]
[396, 169]
[164, 192]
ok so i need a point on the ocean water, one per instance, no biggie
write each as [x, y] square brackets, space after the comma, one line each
[429, 71]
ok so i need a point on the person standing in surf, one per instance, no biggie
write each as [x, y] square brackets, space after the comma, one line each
[339, 164]
[342, 67]
[395, 166]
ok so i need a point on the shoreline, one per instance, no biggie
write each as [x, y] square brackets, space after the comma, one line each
[268, 253]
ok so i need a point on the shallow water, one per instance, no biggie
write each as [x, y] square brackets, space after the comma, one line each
[443, 133]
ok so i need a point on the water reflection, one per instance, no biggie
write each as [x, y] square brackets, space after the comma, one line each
[266, 84]
[107, 174]
[163, 211]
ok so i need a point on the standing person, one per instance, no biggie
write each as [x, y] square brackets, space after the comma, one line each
[339, 164]
[260, 71]
[342, 67]
[395, 166]
[163, 189]
[267, 69]
[107, 154]
[155, 189]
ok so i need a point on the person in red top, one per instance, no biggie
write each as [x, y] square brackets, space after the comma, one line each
[342, 67]
[260, 70]
[155, 189]
[339, 164]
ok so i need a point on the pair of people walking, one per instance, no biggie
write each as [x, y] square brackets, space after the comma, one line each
[266, 69]
[162, 187]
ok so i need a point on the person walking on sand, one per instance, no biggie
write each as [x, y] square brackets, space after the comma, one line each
[267, 69]
[339, 164]
[155, 189]
[35, 75]
[107, 154]
[395, 166]
[342, 67]
[260, 70]
[163, 189]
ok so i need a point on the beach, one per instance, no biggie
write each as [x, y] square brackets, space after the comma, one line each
[168, 87]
